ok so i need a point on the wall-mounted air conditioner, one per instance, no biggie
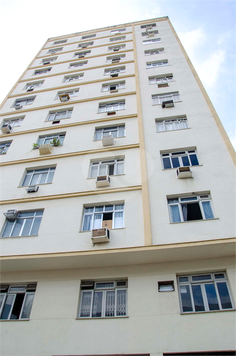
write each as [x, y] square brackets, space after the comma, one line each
[11, 215]
[18, 106]
[111, 113]
[184, 172]
[100, 235]
[6, 128]
[113, 75]
[167, 104]
[45, 149]
[108, 140]
[102, 181]
[47, 62]
[32, 189]
[162, 85]
[150, 35]
[30, 89]
[115, 60]
[64, 97]
[116, 49]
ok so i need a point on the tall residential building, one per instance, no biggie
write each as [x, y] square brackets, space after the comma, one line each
[117, 204]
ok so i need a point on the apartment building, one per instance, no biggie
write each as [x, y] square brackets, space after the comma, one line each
[117, 212]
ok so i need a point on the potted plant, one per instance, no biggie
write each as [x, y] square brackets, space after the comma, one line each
[55, 142]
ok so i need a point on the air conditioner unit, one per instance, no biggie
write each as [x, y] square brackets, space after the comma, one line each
[100, 235]
[64, 97]
[30, 89]
[6, 128]
[83, 46]
[108, 140]
[113, 75]
[113, 87]
[18, 106]
[32, 189]
[45, 149]
[162, 85]
[167, 104]
[87, 285]
[47, 62]
[111, 113]
[150, 35]
[81, 55]
[115, 60]
[102, 181]
[184, 172]
[113, 91]
[56, 122]
[116, 49]
[11, 215]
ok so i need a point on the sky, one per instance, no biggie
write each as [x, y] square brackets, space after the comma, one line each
[207, 29]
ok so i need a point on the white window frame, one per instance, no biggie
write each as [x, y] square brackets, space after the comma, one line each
[117, 85]
[149, 25]
[180, 155]
[4, 146]
[114, 70]
[81, 54]
[113, 39]
[85, 44]
[112, 106]
[182, 200]
[201, 280]
[22, 289]
[108, 286]
[102, 167]
[117, 57]
[59, 42]
[155, 64]
[33, 85]
[119, 30]
[115, 208]
[114, 131]
[114, 48]
[42, 140]
[54, 50]
[71, 78]
[42, 71]
[172, 124]
[52, 59]
[39, 173]
[154, 32]
[71, 93]
[14, 122]
[161, 79]
[24, 101]
[35, 214]
[77, 64]
[151, 41]
[59, 115]
[150, 52]
[88, 36]
[159, 98]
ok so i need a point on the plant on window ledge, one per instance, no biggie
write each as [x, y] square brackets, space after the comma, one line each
[35, 146]
[55, 142]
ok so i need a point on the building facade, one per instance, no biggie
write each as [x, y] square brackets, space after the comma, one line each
[117, 212]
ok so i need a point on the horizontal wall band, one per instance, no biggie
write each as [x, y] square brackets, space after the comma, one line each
[85, 40]
[71, 195]
[63, 126]
[68, 104]
[69, 154]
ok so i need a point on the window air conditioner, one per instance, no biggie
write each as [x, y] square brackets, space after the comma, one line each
[45, 149]
[167, 104]
[108, 140]
[30, 89]
[47, 62]
[162, 85]
[81, 55]
[100, 235]
[102, 181]
[11, 215]
[115, 60]
[64, 97]
[32, 189]
[18, 106]
[6, 128]
[113, 75]
[111, 113]
[87, 285]
[116, 49]
[150, 35]
[184, 172]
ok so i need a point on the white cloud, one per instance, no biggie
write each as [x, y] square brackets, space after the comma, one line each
[192, 39]
[209, 70]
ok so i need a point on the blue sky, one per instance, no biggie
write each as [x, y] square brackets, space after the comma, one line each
[206, 28]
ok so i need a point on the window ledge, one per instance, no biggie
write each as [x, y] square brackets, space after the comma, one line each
[3, 320]
[175, 102]
[104, 317]
[184, 222]
[105, 112]
[117, 228]
[171, 169]
[114, 175]
[15, 237]
[209, 311]
[26, 186]
[100, 140]
[187, 128]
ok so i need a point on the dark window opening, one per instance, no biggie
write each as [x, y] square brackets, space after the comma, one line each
[191, 212]
[17, 306]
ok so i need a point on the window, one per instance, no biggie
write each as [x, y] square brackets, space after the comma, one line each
[150, 25]
[39, 176]
[59, 42]
[4, 147]
[190, 208]
[103, 299]
[147, 33]
[71, 78]
[204, 292]
[43, 140]
[158, 99]
[42, 71]
[49, 60]
[157, 64]
[116, 48]
[161, 79]
[88, 36]
[153, 40]
[113, 70]
[108, 167]
[115, 131]
[166, 286]
[55, 50]
[16, 301]
[113, 86]
[77, 64]
[154, 51]
[13, 122]
[119, 105]
[118, 30]
[59, 115]
[31, 86]
[115, 58]
[26, 224]
[172, 124]
[85, 44]
[81, 54]
[71, 93]
[23, 102]
[120, 38]
[179, 159]
[96, 217]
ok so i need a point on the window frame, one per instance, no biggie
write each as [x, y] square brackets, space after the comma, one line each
[116, 47]
[114, 70]
[24, 101]
[32, 173]
[72, 93]
[42, 71]
[11, 121]
[60, 136]
[81, 54]
[60, 42]
[52, 59]
[156, 64]
[77, 64]
[109, 129]
[106, 163]
[161, 79]
[85, 44]
[169, 121]
[118, 30]
[151, 41]
[88, 36]
[33, 85]
[111, 106]
[150, 52]
[120, 38]
[180, 154]
[72, 78]
[149, 25]
[119, 85]
[54, 114]
[158, 99]
[54, 50]
[4, 147]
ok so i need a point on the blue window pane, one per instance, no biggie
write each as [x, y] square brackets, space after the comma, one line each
[7, 230]
[166, 163]
[17, 227]
[175, 162]
[36, 225]
[197, 297]
[27, 227]
[211, 297]
[207, 210]
[186, 299]
[185, 161]
[194, 160]
[175, 215]
[224, 295]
